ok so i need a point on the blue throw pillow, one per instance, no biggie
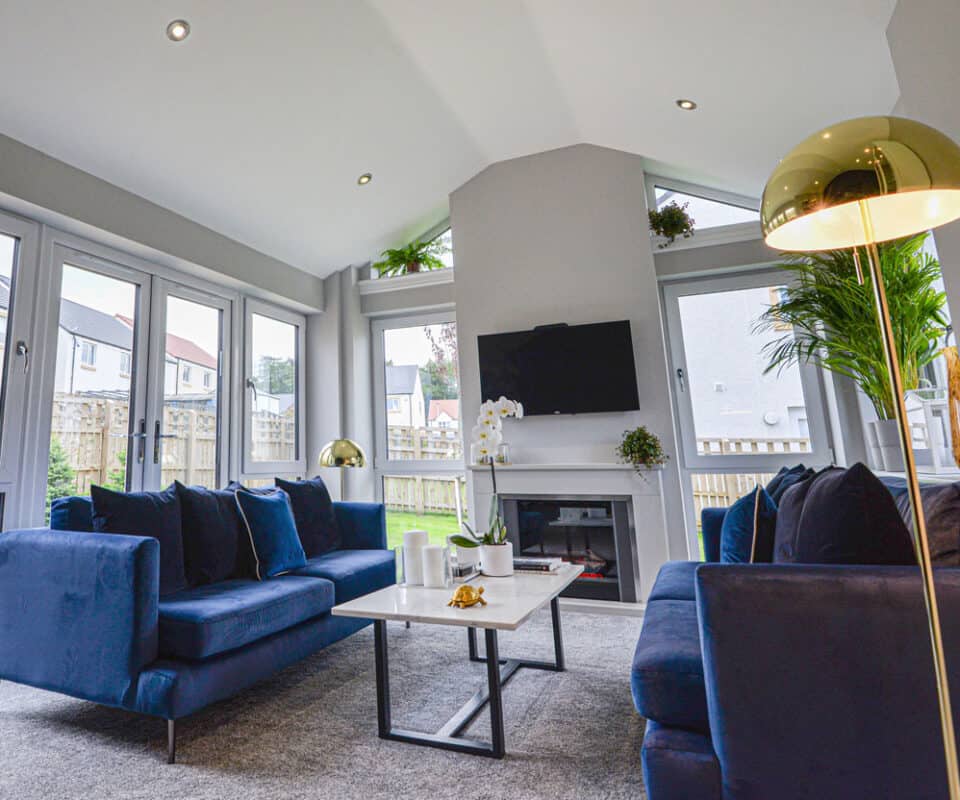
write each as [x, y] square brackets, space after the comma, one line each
[71, 514]
[841, 516]
[273, 533]
[786, 478]
[155, 514]
[748, 526]
[215, 541]
[313, 513]
[775, 481]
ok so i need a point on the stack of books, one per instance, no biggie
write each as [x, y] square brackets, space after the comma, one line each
[536, 564]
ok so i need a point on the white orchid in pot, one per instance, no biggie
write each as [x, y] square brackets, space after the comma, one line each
[487, 435]
[496, 551]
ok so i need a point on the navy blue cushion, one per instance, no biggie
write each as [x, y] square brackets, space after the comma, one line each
[773, 485]
[748, 529]
[841, 516]
[667, 675]
[354, 572]
[215, 541]
[206, 620]
[941, 512]
[72, 514]
[679, 764]
[711, 523]
[313, 513]
[155, 514]
[788, 480]
[268, 519]
[675, 581]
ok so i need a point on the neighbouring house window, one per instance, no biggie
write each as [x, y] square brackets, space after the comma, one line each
[207, 380]
[124, 363]
[187, 374]
[393, 404]
[88, 354]
[706, 213]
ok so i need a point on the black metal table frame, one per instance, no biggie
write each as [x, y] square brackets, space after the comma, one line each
[499, 671]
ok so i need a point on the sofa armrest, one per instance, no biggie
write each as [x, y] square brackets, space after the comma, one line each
[711, 523]
[363, 526]
[821, 677]
[78, 611]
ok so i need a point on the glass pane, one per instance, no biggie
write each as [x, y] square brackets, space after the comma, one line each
[432, 503]
[422, 393]
[736, 408]
[274, 359]
[705, 213]
[91, 422]
[8, 260]
[191, 394]
[721, 490]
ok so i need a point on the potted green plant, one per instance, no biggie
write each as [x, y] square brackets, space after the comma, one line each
[642, 449]
[496, 551]
[670, 222]
[415, 257]
[828, 318]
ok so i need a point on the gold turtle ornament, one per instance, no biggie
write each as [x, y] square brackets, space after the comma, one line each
[466, 596]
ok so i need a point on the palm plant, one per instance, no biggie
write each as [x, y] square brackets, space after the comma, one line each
[833, 323]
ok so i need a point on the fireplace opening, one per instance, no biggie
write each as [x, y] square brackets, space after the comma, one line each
[591, 532]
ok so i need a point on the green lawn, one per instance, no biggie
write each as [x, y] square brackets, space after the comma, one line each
[437, 526]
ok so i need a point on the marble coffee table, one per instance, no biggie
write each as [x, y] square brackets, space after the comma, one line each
[510, 603]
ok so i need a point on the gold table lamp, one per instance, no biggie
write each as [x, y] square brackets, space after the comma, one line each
[342, 453]
[854, 184]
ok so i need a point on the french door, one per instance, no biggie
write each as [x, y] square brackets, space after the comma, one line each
[738, 423]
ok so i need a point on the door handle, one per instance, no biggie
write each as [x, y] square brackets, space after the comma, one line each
[141, 438]
[252, 384]
[157, 436]
[680, 378]
[24, 352]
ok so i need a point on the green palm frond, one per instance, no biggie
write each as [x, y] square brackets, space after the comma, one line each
[833, 323]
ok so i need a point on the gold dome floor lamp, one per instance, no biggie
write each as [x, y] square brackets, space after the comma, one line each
[854, 184]
[342, 453]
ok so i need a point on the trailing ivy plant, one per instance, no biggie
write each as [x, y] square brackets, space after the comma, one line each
[642, 449]
[670, 222]
[828, 317]
[415, 257]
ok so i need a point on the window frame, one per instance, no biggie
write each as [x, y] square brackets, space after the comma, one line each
[86, 346]
[297, 466]
[721, 234]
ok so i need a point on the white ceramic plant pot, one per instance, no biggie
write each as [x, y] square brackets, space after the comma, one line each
[874, 456]
[888, 437]
[496, 560]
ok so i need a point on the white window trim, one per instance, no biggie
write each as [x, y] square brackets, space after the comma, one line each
[297, 466]
[722, 234]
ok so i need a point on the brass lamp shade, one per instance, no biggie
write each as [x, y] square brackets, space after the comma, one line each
[342, 453]
[907, 173]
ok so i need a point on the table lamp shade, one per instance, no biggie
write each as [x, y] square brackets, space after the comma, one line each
[907, 173]
[342, 453]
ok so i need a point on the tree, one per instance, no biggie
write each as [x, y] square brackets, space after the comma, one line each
[61, 479]
[117, 478]
[276, 375]
[439, 375]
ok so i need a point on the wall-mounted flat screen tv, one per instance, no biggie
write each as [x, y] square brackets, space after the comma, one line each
[562, 369]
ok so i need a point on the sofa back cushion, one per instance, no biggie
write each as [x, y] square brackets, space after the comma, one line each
[313, 513]
[841, 516]
[941, 510]
[72, 514]
[155, 514]
[268, 519]
[748, 529]
[215, 541]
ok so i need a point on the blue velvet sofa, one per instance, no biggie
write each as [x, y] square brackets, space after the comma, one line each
[81, 614]
[791, 681]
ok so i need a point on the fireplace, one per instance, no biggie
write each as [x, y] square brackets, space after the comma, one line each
[592, 531]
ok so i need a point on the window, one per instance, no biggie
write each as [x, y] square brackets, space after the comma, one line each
[124, 363]
[419, 459]
[187, 374]
[88, 354]
[274, 377]
[207, 380]
[706, 213]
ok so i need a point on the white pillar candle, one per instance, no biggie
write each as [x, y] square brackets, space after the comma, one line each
[413, 543]
[433, 572]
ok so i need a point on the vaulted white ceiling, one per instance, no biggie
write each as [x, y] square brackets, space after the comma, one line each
[259, 124]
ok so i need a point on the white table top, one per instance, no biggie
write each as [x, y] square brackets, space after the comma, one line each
[510, 601]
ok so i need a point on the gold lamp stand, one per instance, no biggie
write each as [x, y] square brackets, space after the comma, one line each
[343, 454]
[854, 184]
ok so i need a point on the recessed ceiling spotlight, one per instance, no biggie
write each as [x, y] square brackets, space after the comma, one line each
[178, 30]
[364, 179]
[686, 105]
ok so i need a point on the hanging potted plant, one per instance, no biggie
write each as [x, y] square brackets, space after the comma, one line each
[642, 449]
[828, 318]
[416, 257]
[670, 222]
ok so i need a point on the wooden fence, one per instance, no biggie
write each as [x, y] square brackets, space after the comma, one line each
[424, 494]
[433, 444]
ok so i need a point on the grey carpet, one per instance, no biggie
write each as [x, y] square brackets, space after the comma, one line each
[311, 731]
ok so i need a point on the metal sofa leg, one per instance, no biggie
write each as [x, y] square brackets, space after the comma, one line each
[171, 741]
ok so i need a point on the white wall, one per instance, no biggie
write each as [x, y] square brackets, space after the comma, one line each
[104, 375]
[562, 236]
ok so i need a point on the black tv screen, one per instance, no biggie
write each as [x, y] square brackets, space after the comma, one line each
[562, 369]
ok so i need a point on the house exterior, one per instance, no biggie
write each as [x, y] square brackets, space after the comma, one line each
[444, 414]
[93, 351]
[405, 403]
